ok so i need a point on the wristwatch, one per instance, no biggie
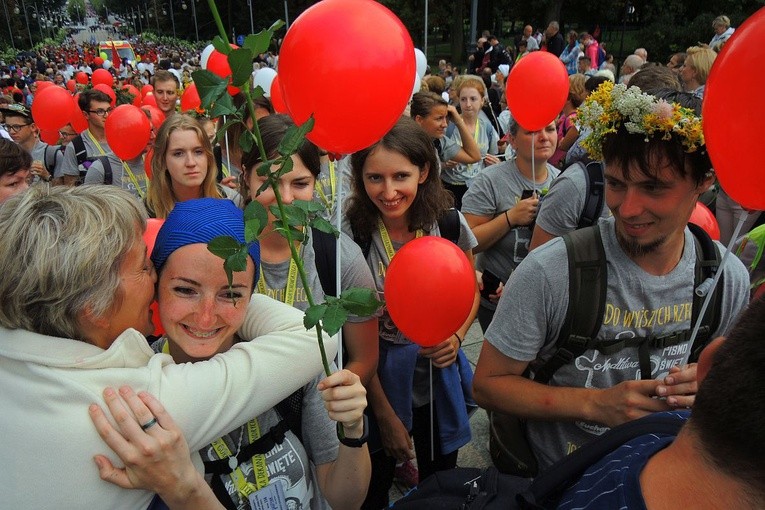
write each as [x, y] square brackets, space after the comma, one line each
[357, 442]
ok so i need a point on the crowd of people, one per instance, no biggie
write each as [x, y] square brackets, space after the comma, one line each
[586, 299]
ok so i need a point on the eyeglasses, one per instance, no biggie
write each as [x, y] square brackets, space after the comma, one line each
[101, 112]
[64, 134]
[15, 128]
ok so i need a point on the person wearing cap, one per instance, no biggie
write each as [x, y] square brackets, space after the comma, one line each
[46, 159]
[201, 314]
[73, 319]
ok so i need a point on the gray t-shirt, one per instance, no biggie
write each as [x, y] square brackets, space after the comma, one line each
[324, 191]
[637, 304]
[120, 176]
[50, 155]
[354, 273]
[495, 190]
[69, 164]
[486, 137]
[562, 207]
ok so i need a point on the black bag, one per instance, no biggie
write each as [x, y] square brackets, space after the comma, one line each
[510, 451]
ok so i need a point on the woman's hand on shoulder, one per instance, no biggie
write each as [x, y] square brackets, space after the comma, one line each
[345, 399]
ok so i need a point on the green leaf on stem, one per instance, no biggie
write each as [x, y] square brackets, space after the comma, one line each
[286, 167]
[240, 61]
[210, 87]
[258, 43]
[295, 234]
[263, 168]
[223, 106]
[309, 206]
[221, 45]
[246, 140]
[320, 223]
[360, 302]
[257, 92]
[334, 318]
[224, 246]
[276, 26]
[221, 133]
[237, 261]
[313, 315]
[295, 216]
[294, 137]
[255, 220]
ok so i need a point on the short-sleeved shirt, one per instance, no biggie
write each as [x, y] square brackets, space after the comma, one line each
[51, 156]
[120, 176]
[486, 137]
[495, 190]
[637, 304]
[561, 209]
[69, 165]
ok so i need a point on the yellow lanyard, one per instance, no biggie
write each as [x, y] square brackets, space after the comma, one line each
[328, 201]
[289, 290]
[224, 169]
[260, 470]
[386, 239]
[130, 174]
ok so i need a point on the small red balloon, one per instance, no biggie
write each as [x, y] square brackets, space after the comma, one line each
[71, 85]
[81, 78]
[49, 136]
[135, 93]
[156, 115]
[150, 236]
[98, 61]
[190, 99]
[52, 108]
[537, 89]
[78, 120]
[218, 64]
[149, 99]
[704, 218]
[374, 43]
[732, 141]
[430, 287]
[102, 76]
[277, 100]
[108, 91]
[128, 131]
[146, 89]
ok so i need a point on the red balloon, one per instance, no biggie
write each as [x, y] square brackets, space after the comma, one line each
[277, 100]
[81, 78]
[380, 46]
[147, 162]
[146, 89]
[135, 92]
[52, 108]
[217, 64]
[98, 61]
[49, 136]
[102, 76]
[128, 131]
[733, 110]
[429, 289]
[150, 236]
[149, 99]
[536, 89]
[704, 218]
[78, 120]
[190, 99]
[108, 91]
[71, 85]
[156, 115]
[44, 84]
[759, 292]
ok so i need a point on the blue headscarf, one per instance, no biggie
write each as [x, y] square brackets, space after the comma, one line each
[199, 221]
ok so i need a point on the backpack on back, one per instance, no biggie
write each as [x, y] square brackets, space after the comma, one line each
[588, 281]
[84, 161]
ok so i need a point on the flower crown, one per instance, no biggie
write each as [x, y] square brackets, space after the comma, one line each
[611, 105]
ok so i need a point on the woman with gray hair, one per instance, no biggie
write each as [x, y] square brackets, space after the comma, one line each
[723, 31]
[76, 293]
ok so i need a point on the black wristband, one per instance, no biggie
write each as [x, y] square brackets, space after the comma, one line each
[458, 339]
[507, 219]
[354, 442]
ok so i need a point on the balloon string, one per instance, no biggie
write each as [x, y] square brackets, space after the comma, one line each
[432, 434]
[533, 166]
[228, 154]
[336, 203]
[718, 274]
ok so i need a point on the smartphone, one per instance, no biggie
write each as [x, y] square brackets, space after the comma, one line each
[527, 193]
[490, 283]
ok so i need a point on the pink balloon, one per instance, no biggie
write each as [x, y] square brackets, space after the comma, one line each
[536, 89]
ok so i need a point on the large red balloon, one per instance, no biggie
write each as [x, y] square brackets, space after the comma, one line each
[44, 84]
[429, 289]
[354, 43]
[52, 108]
[536, 89]
[150, 236]
[102, 76]
[733, 110]
[277, 99]
[49, 136]
[128, 130]
[81, 78]
[106, 89]
[190, 99]
[704, 218]
[217, 63]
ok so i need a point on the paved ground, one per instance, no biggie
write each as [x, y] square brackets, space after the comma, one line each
[475, 453]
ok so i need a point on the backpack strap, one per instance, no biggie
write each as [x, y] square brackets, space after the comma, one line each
[81, 154]
[587, 287]
[291, 411]
[595, 195]
[549, 486]
[108, 174]
[707, 264]
[50, 167]
[325, 255]
[449, 225]
[218, 155]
